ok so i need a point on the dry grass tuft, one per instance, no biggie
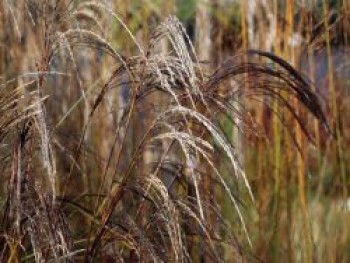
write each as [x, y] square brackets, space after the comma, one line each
[146, 202]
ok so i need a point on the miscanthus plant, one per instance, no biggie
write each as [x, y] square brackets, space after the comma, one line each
[154, 198]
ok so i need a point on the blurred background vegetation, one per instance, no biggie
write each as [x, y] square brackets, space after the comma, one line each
[301, 211]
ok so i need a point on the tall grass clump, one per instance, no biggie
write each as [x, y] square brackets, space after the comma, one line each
[110, 155]
[293, 201]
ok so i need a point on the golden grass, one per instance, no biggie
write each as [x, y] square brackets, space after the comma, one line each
[118, 142]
